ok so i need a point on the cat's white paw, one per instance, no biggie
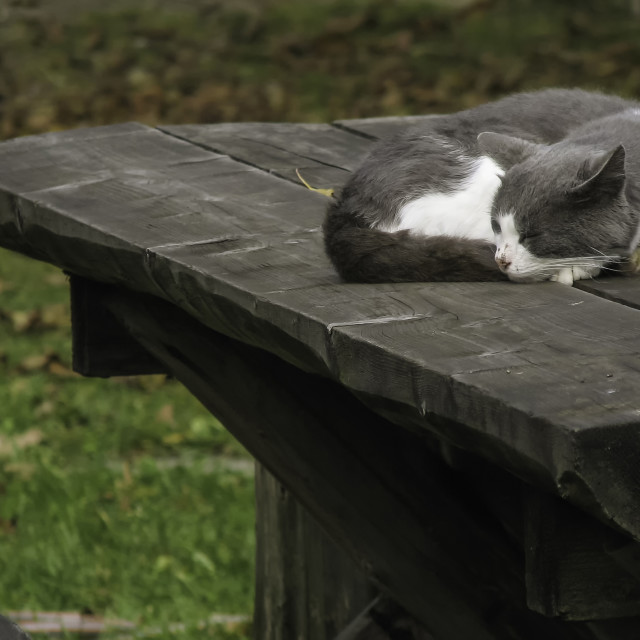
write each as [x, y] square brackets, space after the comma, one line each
[564, 276]
[583, 274]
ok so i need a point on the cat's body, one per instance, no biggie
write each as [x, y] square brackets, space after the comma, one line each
[428, 204]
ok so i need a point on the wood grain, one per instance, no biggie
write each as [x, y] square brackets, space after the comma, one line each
[540, 379]
[324, 155]
[622, 289]
[376, 128]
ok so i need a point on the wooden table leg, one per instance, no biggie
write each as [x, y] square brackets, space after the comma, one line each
[306, 586]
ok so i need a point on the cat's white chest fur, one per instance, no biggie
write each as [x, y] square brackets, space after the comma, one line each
[464, 212]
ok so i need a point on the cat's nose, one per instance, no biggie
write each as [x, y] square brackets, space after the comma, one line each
[503, 262]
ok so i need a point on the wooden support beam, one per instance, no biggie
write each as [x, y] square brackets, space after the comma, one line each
[101, 346]
[570, 573]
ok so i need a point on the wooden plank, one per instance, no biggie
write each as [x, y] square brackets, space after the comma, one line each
[622, 289]
[537, 377]
[306, 586]
[323, 154]
[66, 158]
[117, 206]
[407, 521]
[468, 327]
[375, 128]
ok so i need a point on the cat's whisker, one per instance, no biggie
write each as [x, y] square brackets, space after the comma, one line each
[610, 258]
[611, 269]
[583, 262]
[590, 259]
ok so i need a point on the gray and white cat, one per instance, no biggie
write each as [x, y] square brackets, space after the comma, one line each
[536, 186]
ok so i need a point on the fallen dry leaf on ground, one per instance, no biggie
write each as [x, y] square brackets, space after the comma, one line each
[9, 444]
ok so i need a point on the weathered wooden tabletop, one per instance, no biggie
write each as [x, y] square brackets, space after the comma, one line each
[543, 380]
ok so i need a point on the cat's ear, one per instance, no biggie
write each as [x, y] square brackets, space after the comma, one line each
[507, 151]
[601, 175]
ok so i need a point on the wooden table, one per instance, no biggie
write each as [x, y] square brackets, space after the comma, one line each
[469, 451]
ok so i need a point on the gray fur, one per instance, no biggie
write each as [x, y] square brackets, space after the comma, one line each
[577, 197]
[435, 158]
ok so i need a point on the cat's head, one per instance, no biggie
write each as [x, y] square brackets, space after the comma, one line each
[560, 207]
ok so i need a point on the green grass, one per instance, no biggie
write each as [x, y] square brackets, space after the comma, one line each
[112, 496]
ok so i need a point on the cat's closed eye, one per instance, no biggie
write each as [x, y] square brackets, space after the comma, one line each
[528, 235]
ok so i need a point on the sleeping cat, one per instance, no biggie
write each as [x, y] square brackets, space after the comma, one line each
[536, 186]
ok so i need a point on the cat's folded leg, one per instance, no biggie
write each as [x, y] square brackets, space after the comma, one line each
[580, 273]
[570, 274]
[564, 276]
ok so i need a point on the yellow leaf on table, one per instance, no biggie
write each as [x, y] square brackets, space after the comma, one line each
[324, 192]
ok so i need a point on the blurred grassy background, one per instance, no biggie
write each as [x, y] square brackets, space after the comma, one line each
[62, 66]
[123, 497]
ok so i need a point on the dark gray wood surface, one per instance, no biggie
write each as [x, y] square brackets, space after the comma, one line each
[322, 154]
[375, 128]
[541, 379]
